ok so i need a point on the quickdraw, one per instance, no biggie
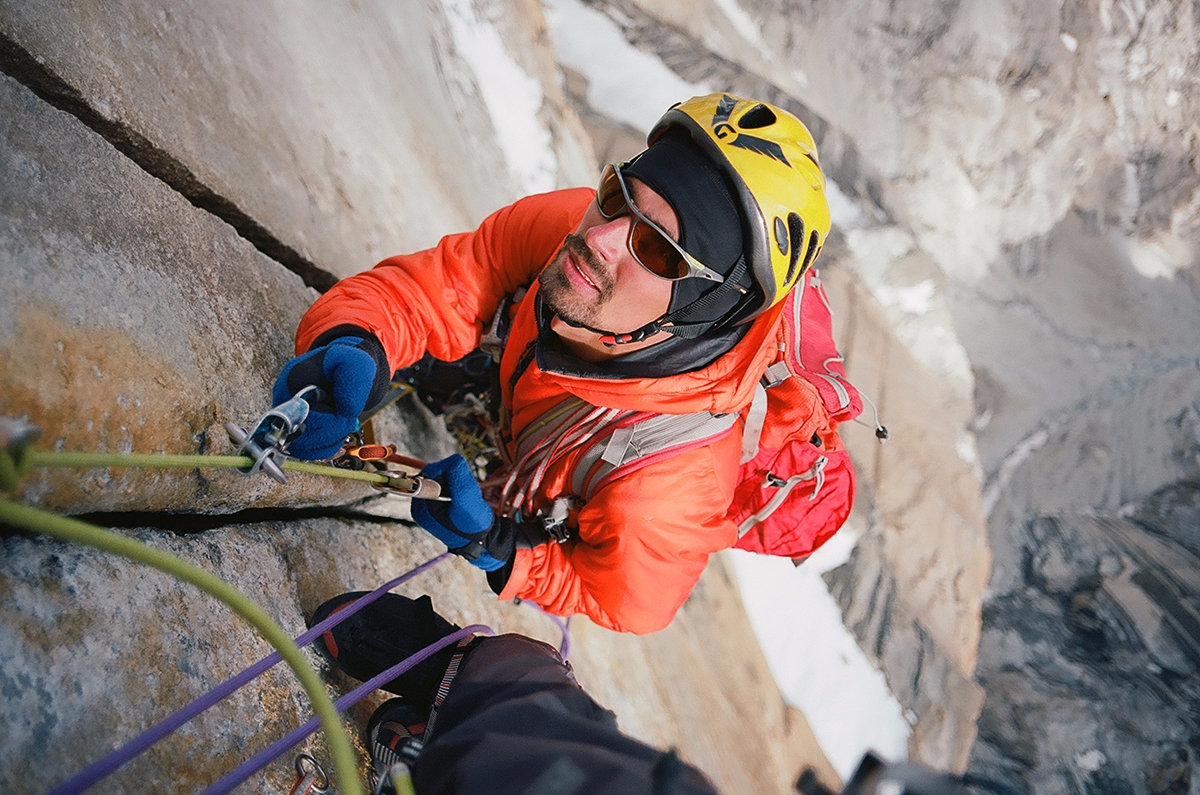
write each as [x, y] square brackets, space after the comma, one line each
[380, 455]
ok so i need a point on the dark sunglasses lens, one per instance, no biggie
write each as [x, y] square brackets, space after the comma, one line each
[609, 198]
[655, 253]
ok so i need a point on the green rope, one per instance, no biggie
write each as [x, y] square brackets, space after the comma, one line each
[34, 458]
[344, 760]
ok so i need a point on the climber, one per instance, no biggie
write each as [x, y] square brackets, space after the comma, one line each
[660, 293]
[509, 716]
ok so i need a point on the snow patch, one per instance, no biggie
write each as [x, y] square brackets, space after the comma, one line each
[916, 299]
[742, 22]
[917, 312]
[1008, 468]
[816, 662]
[623, 82]
[513, 98]
[1160, 258]
[1090, 761]
[843, 211]
[965, 446]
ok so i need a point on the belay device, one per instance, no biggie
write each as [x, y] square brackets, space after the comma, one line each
[274, 431]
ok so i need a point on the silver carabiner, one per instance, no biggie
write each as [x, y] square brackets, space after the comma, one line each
[309, 772]
[266, 445]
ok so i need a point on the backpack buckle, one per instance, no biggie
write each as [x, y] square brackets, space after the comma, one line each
[555, 522]
[776, 374]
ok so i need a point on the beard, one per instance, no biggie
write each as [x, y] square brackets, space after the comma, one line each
[562, 298]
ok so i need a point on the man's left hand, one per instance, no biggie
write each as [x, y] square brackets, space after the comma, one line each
[466, 524]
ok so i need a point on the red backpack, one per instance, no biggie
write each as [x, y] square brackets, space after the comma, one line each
[796, 484]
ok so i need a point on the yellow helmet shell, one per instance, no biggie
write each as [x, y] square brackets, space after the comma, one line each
[770, 159]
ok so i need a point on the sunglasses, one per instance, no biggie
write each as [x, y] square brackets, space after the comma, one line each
[652, 247]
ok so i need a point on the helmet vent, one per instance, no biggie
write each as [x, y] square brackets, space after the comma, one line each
[781, 235]
[758, 116]
[811, 253]
[796, 232]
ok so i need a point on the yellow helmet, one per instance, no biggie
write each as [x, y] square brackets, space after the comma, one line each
[770, 159]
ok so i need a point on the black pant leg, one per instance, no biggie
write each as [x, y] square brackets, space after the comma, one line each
[516, 722]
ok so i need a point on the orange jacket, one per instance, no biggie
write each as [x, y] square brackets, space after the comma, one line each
[642, 541]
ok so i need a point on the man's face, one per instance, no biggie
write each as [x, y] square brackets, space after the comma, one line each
[595, 281]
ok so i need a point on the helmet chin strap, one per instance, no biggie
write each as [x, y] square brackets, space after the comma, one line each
[611, 339]
[676, 322]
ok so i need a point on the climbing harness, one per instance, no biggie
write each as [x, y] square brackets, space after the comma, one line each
[271, 752]
[399, 777]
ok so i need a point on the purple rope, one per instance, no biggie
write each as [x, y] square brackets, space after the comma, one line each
[277, 748]
[565, 625]
[95, 772]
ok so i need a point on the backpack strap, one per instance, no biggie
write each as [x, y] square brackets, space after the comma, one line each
[643, 441]
[615, 442]
[816, 471]
[755, 419]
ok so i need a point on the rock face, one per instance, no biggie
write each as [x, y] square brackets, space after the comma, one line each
[177, 180]
[95, 647]
[130, 319]
[1028, 217]
[259, 114]
[1016, 273]
[1104, 614]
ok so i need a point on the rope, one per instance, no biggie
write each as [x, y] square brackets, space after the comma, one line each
[98, 770]
[563, 624]
[340, 749]
[34, 458]
[271, 752]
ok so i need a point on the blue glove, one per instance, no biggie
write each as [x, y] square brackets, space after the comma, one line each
[466, 524]
[351, 372]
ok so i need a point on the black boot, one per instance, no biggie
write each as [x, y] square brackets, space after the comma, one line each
[382, 634]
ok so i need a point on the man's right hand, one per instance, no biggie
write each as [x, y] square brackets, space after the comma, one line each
[351, 372]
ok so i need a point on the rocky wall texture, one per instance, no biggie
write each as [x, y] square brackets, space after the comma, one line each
[176, 182]
[988, 122]
[913, 589]
[1105, 615]
[94, 649]
[1029, 218]
[260, 113]
[130, 320]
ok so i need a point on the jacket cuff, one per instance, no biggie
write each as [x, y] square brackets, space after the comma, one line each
[508, 580]
[344, 330]
[371, 345]
[501, 543]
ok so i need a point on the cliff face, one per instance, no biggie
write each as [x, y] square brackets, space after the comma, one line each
[1028, 220]
[180, 180]
[1016, 280]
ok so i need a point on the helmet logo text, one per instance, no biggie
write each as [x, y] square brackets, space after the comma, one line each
[724, 131]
